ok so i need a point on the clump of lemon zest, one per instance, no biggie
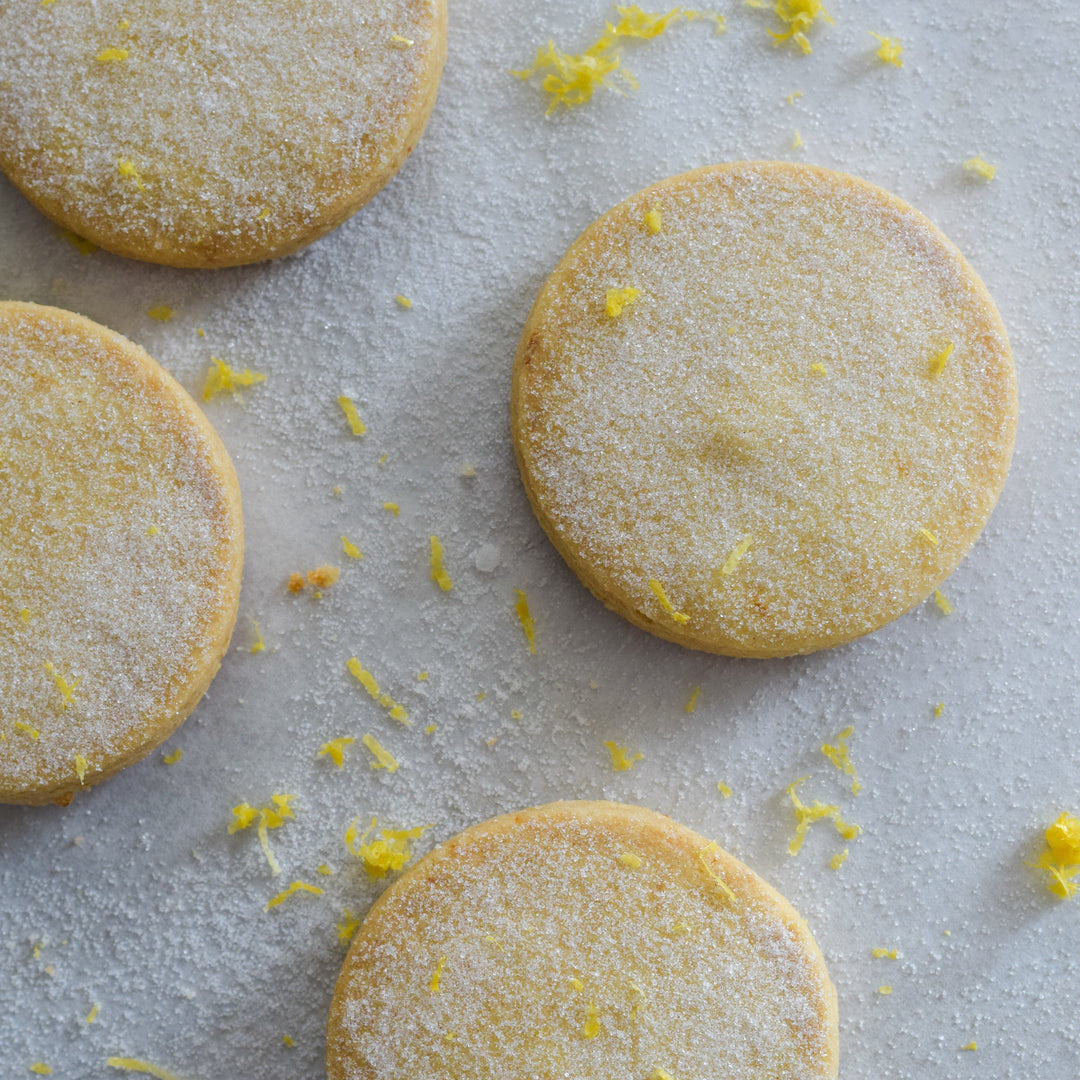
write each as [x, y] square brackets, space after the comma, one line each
[654, 223]
[939, 709]
[267, 817]
[885, 990]
[665, 603]
[796, 144]
[592, 1024]
[135, 1065]
[162, 313]
[793, 97]
[889, 49]
[438, 571]
[798, 16]
[347, 928]
[943, 603]
[401, 42]
[712, 875]
[977, 167]
[389, 852]
[1061, 857]
[970, 1046]
[528, 624]
[287, 1041]
[816, 811]
[335, 750]
[26, 729]
[81, 765]
[723, 789]
[404, 301]
[79, 243]
[731, 564]
[349, 409]
[295, 887]
[259, 645]
[840, 756]
[616, 301]
[129, 172]
[620, 762]
[886, 954]
[25, 615]
[661, 1074]
[221, 379]
[937, 362]
[572, 80]
[818, 369]
[111, 56]
[244, 815]
[92, 1015]
[367, 681]
[839, 859]
[322, 577]
[383, 759]
[350, 549]
[692, 700]
[67, 690]
[296, 583]
[628, 858]
[434, 985]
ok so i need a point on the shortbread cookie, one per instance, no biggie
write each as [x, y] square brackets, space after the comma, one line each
[121, 547]
[763, 408]
[587, 940]
[212, 134]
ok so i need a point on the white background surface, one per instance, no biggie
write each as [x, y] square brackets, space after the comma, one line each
[142, 903]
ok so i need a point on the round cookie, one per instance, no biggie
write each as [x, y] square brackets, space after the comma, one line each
[586, 940]
[763, 408]
[206, 134]
[121, 549]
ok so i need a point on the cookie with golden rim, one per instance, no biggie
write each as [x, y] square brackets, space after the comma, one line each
[584, 939]
[121, 550]
[763, 408]
[208, 135]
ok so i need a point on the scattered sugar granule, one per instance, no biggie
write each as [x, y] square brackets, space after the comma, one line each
[81, 765]
[889, 49]
[839, 859]
[404, 301]
[221, 379]
[528, 624]
[712, 874]
[616, 301]
[388, 852]
[620, 762]
[295, 887]
[438, 571]
[1061, 857]
[938, 361]
[135, 1065]
[383, 759]
[335, 750]
[692, 700]
[162, 313]
[983, 169]
[258, 645]
[654, 222]
[92, 1015]
[347, 928]
[665, 603]
[355, 423]
[174, 757]
[367, 681]
[433, 986]
[816, 811]
[731, 564]
[886, 954]
[884, 990]
[840, 756]
[798, 16]
[628, 858]
[67, 690]
[723, 789]
[943, 603]
[970, 1046]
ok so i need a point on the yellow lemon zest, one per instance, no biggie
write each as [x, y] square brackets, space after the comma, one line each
[349, 409]
[347, 928]
[287, 1041]
[796, 144]
[162, 313]
[26, 729]
[977, 167]
[401, 42]
[723, 789]
[661, 1074]
[25, 615]
[438, 571]
[266, 817]
[939, 360]
[67, 690]
[691, 702]
[665, 603]
[434, 985]
[620, 762]
[1061, 856]
[713, 876]
[389, 852]
[616, 301]
[929, 537]
[350, 549]
[335, 750]
[528, 624]
[939, 709]
[393, 508]
[326, 871]
[889, 49]
[129, 172]
[222, 379]
[404, 301]
[79, 243]
[259, 645]
[295, 887]
[839, 859]
[731, 564]
[92, 1015]
[816, 811]
[798, 16]
[885, 954]
[111, 56]
[628, 858]
[884, 990]
[819, 369]
[81, 765]
[970, 1046]
[322, 577]
[840, 756]
[943, 603]
[367, 681]
[654, 223]
[135, 1065]
[592, 1024]
[383, 759]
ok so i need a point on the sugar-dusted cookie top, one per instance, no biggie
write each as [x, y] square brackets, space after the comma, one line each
[212, 134]
[121, 547]
[582, 939]
[763, 408]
